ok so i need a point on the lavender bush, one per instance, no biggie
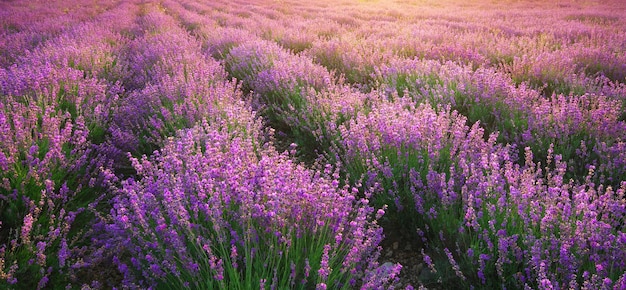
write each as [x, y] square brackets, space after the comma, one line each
[49, 171]
[214, 209]
[473, 208]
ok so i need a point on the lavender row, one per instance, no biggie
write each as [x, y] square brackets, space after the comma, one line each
[279, 80]
[51, 172]
[169, 84]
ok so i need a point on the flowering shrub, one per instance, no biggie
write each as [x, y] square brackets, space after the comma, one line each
[48, 172]
[410, 153]
[214, 209]
[493, 222]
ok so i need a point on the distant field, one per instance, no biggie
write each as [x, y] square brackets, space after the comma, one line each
[332, 144]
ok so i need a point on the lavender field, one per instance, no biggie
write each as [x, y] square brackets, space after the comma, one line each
[331, 144]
